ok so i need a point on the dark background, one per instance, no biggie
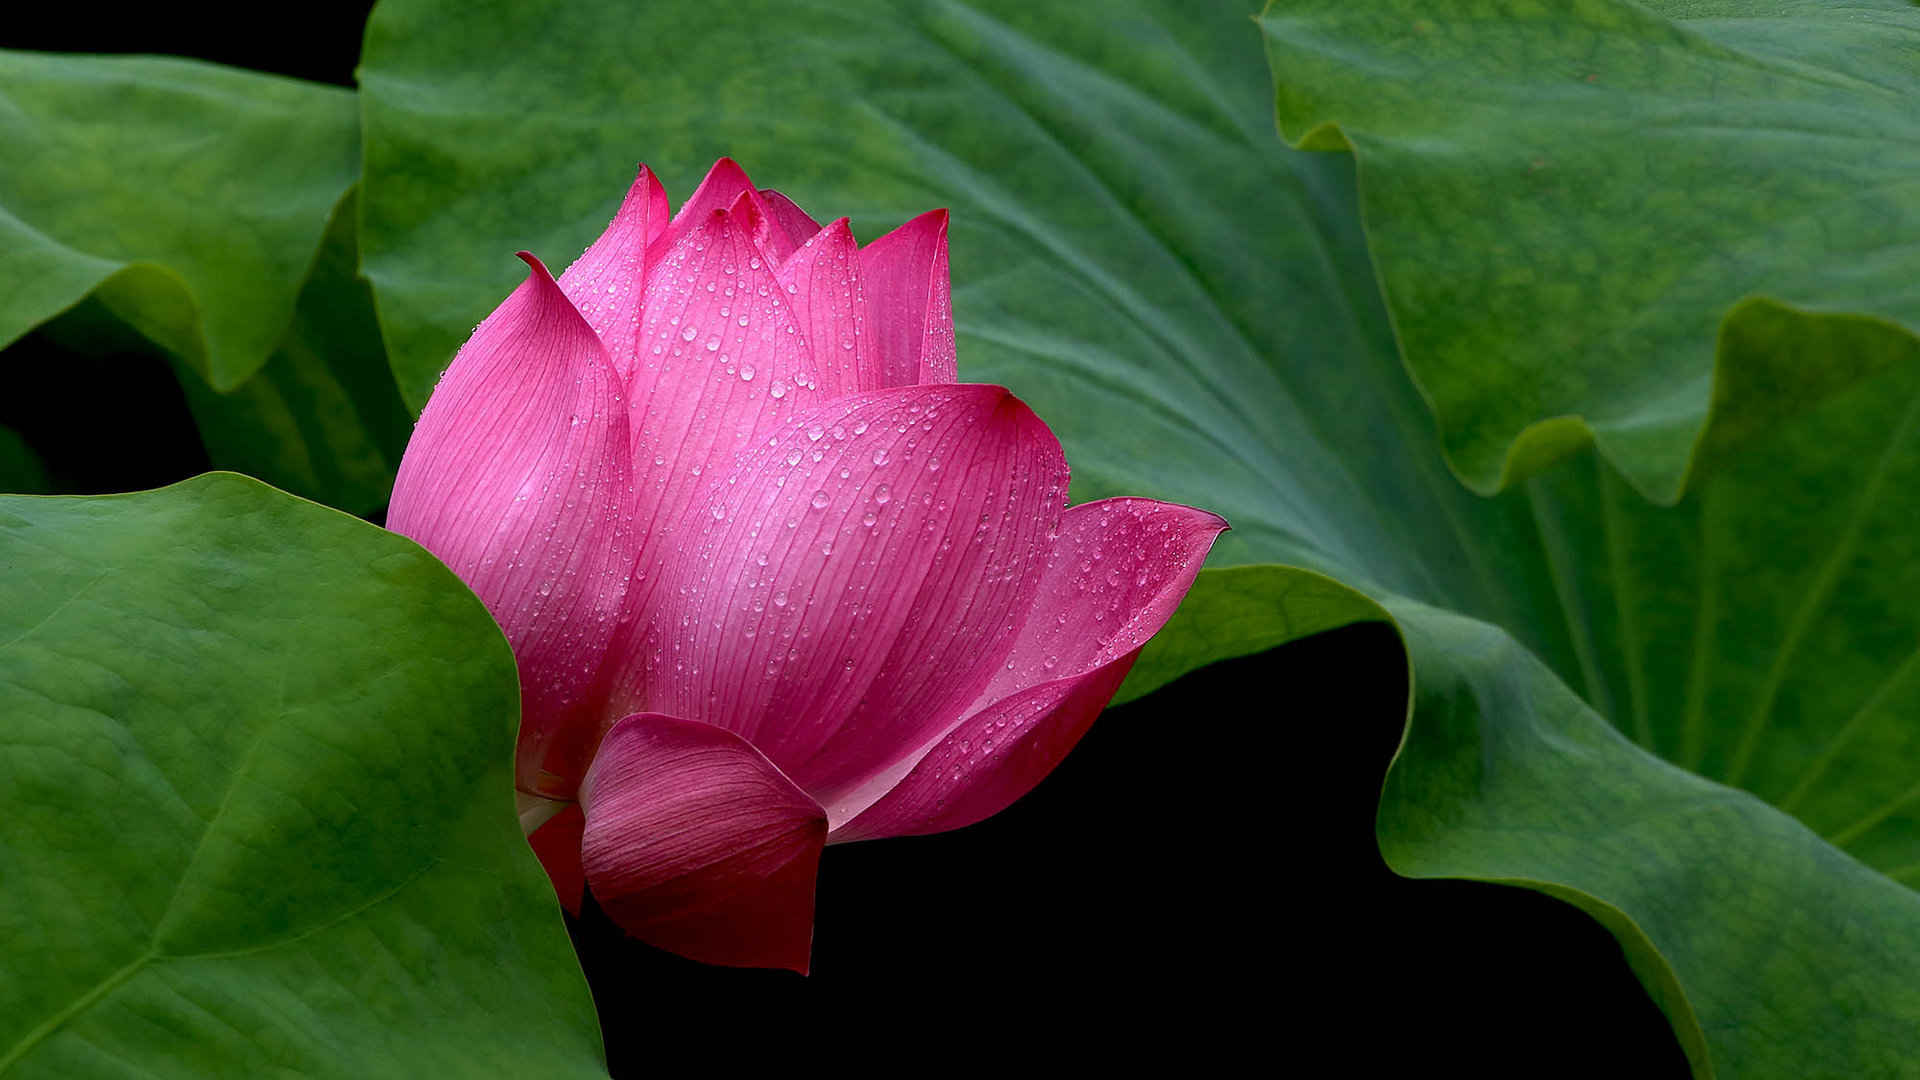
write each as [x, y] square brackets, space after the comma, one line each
[1197, 886]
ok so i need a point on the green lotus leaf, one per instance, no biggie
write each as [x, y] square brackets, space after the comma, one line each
[255, 803]
[1572, 202]
[188, 198]
[1193, 308]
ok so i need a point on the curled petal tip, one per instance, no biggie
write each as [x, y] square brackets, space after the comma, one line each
[1080, 640]
[535, 268]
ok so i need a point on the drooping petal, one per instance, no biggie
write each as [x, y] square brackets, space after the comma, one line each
[1115, 575]
[557, 845]
[607, 282]
[1117, 572]
[984, 762]
[696, 843]
[797, 223]
[910, 302]
[857, 580]
[517, 477]
[823, 285]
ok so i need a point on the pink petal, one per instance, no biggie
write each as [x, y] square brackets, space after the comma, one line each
[795, 222]
[725, 182]
[860, 576]
[910, 302]
[823, 283]
[696, 843]
[517, 477]
[557, 845]
[1115, 575]
[1117, 572]
[721, 360]
[606, 283]
[726, 187]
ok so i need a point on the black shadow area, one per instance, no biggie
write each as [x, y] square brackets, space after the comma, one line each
[1198, 884]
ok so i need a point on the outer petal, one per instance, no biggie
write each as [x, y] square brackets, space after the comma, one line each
[858, 579]
[606, 283]
[557, 844]
[1117, 572]
[795, 222]
[696, 843]
[517, 477]
[910, 302]
[823, 285]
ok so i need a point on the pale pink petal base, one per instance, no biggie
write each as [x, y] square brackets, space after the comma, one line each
[696, 843]
[1117, 572]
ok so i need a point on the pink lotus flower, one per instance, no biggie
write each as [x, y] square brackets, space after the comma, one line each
[774, 579]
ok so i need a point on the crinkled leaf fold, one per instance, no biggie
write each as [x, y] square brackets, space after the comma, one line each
[188, 198]
[1574, 204]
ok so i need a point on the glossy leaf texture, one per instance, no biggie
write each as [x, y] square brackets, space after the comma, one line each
[172, 192]
[1191, 306]
[1573, 202]
[256, 775]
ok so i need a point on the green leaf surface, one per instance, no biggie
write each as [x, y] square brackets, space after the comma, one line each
[323, 419]
[1569, 200]
[188, 198]
[21, 470]
[255, 809]
[1192, 307]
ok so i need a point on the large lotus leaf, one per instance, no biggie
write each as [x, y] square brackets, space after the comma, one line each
[1569, 200]
[1191, 305]
[322, 419]
[255, 809]
[189, 198]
